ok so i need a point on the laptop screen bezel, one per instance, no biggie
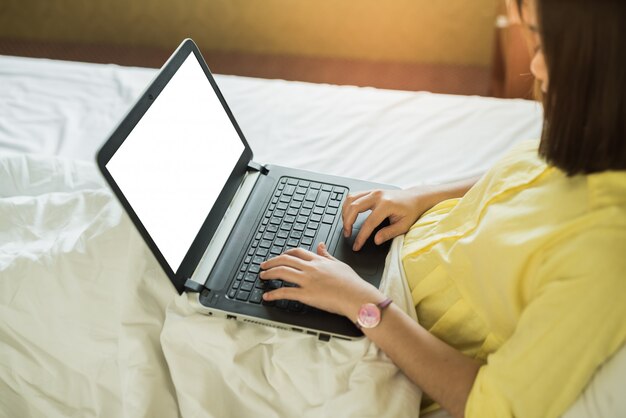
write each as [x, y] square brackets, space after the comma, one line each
[121, 132]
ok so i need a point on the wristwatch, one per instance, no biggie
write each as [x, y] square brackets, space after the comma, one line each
[371, 314]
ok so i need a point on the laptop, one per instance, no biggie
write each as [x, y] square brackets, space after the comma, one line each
[185, 174]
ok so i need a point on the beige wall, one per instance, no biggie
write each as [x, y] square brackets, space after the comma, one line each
[431, 31]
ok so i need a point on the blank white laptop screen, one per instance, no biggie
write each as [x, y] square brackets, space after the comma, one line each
[175, 162]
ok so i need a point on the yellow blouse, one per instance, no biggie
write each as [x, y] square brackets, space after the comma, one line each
[528, 273]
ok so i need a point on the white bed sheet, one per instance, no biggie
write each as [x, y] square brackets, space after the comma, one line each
[402, 138]
[89, 323]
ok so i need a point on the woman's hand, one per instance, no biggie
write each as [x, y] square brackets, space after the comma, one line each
[402, 207]
[323, 282]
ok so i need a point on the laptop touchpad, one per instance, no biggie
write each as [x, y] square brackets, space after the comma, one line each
[370, 258]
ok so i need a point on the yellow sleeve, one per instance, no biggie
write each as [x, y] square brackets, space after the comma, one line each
[572, 323]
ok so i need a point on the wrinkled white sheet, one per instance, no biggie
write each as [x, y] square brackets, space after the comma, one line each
[92, 327]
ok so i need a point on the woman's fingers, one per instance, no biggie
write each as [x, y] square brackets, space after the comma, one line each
[372, 221]
[289, 274]
[352, 209]
[291, 258]
[291, 293]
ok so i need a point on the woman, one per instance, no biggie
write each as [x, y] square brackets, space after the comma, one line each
[519, 285]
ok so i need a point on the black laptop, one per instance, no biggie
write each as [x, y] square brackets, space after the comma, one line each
[184, 172]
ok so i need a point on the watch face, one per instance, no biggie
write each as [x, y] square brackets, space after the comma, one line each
[369, 315]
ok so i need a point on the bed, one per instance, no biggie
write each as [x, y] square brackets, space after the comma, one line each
[91, 326]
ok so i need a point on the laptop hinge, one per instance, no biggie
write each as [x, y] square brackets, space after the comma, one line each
[253, 166]
[193, 286]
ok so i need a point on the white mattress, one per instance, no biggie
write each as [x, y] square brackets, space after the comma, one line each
[91, 326]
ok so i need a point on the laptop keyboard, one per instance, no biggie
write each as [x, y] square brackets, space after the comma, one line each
[300, 214]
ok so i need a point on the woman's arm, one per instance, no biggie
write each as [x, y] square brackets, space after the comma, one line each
[402, 207]
[326, 283]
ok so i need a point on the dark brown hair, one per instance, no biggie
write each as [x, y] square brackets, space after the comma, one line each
[584, 45]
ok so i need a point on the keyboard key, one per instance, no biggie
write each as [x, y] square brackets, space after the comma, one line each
[236, 284]
[232, 293]
[279, 213]
[262, 252]
[274, 284]
[276, 250]
[250, 277]
[292, 181]
[308, 204]
[275, 220]
[282, 234]
[309, 233]
[258, 235]
[334, 204]
[332, 211]
[243, 295]
[283, 180]
[280, 242]
[318, 210]
[254, 268]
[239, 276]
[313, 225]
[323, 200]
[269, 236]
[299, 227]
[244, 267]
[301, 190]
[265, 243]
[286, 226]
[328, 219]
[316, 218]
[298, 197]
[256, 296]
[275, 200]
[315, 185]
[293, 242]
[305, 212]
[292, 211]
[282, 206]
[257, 259]
[272, 228]
[301, 219]
[307, 241]
[296, 234]
[247, 286]
[311, 195]
[259, 284]
[289, 219]
[293, 306]
[322, 235]
[304, 183]
[296, 204]
[285, 199]
[327, 188]
[289, 190]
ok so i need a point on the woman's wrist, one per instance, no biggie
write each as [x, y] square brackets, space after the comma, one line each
[353, 304]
